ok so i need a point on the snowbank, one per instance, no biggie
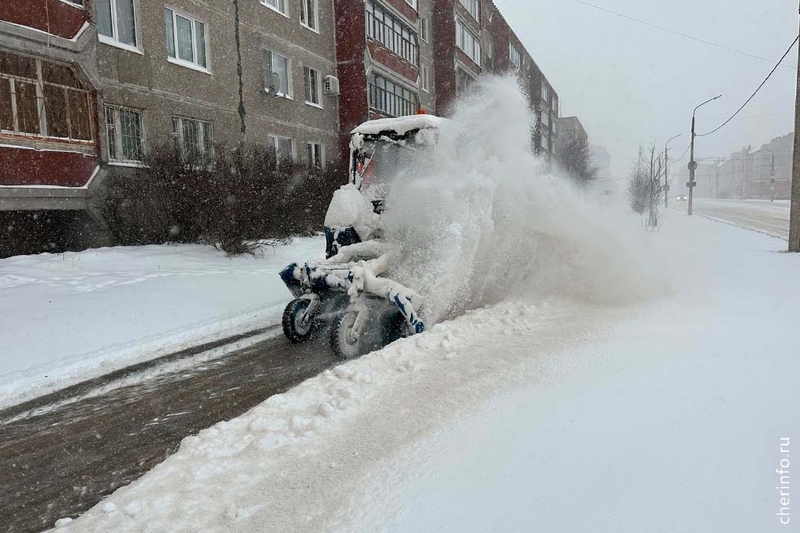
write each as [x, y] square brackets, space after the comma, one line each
[69, 317]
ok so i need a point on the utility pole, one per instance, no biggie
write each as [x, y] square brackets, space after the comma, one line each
[666, 171]
[794, 221]
[692, 163]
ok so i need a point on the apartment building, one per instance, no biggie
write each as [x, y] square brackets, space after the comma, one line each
[49, 142]
[204, 73]
[473, 38]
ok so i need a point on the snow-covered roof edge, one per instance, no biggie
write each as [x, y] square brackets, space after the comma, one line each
[400, 125]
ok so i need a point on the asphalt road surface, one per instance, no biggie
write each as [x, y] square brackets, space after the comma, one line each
[761, 215]
[61, 454]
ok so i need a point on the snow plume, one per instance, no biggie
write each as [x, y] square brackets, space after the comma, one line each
[486, 221]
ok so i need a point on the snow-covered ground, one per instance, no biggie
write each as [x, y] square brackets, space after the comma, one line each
[535, 414]
[771, 218]
[69, 317]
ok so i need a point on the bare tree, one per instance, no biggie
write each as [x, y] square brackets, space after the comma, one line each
[645, 184]
[575, 157]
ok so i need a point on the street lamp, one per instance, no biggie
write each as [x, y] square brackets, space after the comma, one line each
[666, 170]
[692, 163]
[771, 176]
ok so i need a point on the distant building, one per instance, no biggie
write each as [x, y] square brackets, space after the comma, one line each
[572, 127]
[753, 174]
[601, 159]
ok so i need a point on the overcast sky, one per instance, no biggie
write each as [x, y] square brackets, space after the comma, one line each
[630, 83]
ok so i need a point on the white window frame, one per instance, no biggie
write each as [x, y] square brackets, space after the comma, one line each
[473, 7]
[289, 84]
[546, 94]
[178, 135]
[513, 52]
[307, 71]
[273, 141]
[276, 8]
[118, 135]
[412, 3]
[424, 78]
[462, 32]
[319, 149]
[77, 3]
[315, 19]
[112, 41]
[194, 21]
[424, 29]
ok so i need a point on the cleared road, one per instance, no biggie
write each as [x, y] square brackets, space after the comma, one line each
[62, 454]
[760, 215]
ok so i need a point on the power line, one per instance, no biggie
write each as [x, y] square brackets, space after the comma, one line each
[756, 91]
[631, 124]
[674, 32]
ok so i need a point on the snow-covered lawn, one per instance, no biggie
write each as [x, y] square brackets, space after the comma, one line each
[531, 415]
[73, 316]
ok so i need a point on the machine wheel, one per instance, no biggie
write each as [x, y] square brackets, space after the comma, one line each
[293, 326]
[344, 345]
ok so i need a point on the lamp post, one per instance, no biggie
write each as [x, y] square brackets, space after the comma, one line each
[692, 163]
[666, 170]
[771, 176]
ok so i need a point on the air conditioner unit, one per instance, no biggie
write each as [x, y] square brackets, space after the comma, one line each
[331, 85]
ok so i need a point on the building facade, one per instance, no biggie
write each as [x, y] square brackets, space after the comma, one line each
[384, 57]
[204, 73]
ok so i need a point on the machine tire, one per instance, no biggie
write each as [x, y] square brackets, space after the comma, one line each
[293, 327]
[344, 346]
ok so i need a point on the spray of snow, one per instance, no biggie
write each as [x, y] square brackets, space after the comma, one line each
[488, 220]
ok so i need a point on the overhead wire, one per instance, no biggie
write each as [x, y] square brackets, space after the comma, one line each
[674, 32]
[756, 91]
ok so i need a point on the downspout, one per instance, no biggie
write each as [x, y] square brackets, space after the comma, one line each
[239, 71]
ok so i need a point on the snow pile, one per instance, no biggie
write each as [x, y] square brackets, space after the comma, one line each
[69, 317]
[486, 220]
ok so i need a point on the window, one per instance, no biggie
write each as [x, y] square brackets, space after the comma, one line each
[125, 134]
[279, 69]
[412, 3]
[116, 21]
[391, 32]
[42, 98]
[463, 82]
[555, 103]
[309, 17]
[546, 117]
[284, 148]
[193, 138]
[468, 42]
[390, 98]
[277, 5]
[546, 94]
[186, 39]
[76, 2]
[423, 29]
[514, 56]
[472, 7]
[316, 155]
[424, 78]
[312, 79]
[545, 142]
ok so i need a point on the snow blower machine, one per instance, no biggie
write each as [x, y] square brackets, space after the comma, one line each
[349, 295]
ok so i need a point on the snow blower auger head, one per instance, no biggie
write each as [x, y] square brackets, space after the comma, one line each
[348, 291]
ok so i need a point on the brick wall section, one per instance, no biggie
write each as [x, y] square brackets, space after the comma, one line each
[52, 16]
[29, 167]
